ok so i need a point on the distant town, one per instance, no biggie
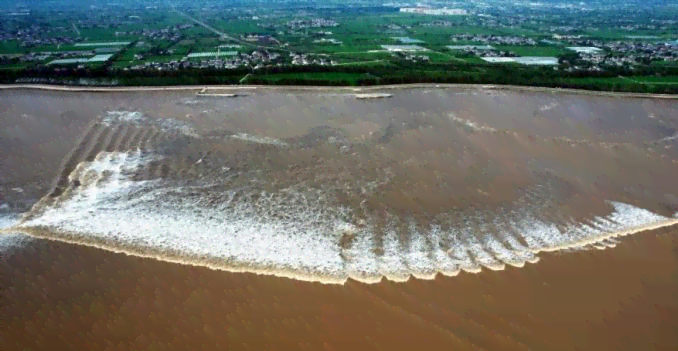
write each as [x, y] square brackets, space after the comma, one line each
[359, 36]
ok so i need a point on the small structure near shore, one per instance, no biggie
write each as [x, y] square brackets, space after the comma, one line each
[205, 92]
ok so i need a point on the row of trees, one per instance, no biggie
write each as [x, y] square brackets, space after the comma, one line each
[401, 73]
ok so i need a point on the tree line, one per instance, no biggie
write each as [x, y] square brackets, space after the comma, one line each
[395, 73]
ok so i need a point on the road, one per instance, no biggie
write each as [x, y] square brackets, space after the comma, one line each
[76, 29]
[242, 81]
[224, 35]
[207, 26]
[641, 82]
[357, 62]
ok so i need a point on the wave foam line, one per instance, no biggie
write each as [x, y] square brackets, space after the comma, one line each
[259, 139]
[11, 240]
[263, 243]
[153, 219]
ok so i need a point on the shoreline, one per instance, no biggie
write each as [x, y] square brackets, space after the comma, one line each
[200, 88]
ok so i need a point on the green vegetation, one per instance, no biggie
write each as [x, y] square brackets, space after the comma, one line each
[656, 79]
[14, 67]
[532, 50]
[320, 78]
[361, 75]
[11, 47]
[164, 34]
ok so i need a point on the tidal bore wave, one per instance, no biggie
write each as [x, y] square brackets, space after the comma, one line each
[436, 194]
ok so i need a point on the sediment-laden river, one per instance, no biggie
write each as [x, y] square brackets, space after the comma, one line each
[327, 185]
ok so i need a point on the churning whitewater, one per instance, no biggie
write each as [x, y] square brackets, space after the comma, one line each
[430, 194]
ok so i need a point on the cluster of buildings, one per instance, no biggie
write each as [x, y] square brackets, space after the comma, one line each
[328, 41]
[417, 58]
[639, 27]
[629, 51]
[494, 39]
[5, 35]
[440, 23]
[435, 12]
[569, 37]
[404, 48]
[39, 35]
[564, 29]
[61, 81]
[82, 60]
[171, 33]
[263, 39]
[594, 61]
[395, 28]
[619, 53]
[613, 24]
[651, 51]
[481, 50]
[524, 60]
[305, 59]
[73, 56]
[312, 23]
[256, 59]
[35, 57]
[492, 53]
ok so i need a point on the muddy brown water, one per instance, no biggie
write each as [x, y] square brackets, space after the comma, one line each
[412, 177]
[66, 297]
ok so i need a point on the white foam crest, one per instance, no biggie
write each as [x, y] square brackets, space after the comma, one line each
[548, 107]
[417, 255]
[459, 253]
[114, 164]
[530, 232]
[519, 254]
[391, 263]
[10, 242]
[500, 252]
[554, 237]
[137, 118]
[478, 250]
[522, 254]
[8, 220]
[361, 263]
[112, 117]
[259, 139]
[608, 243]
[442, 259]
[240, 234]
[225, 236]
[470, 124]
[235, 234]
[634, 219]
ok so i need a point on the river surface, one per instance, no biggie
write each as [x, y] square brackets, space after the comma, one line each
[324, 186]
[461, 188]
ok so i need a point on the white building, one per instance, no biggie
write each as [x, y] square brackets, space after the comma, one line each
[435, 12]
